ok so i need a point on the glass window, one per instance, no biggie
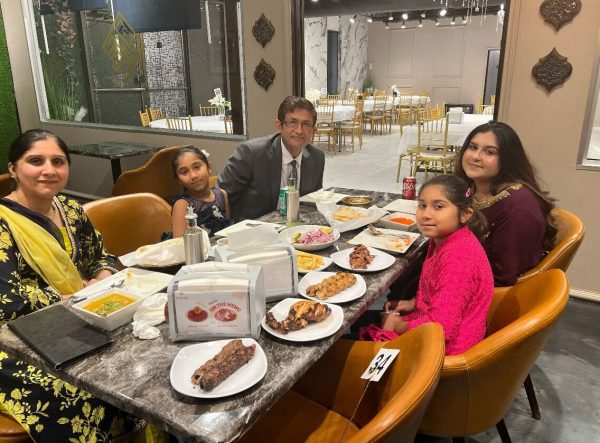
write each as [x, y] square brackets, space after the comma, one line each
[140, 62]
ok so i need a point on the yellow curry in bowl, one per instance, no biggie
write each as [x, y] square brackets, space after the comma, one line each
[109, 303]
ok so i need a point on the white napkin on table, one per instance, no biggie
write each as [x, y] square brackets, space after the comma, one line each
[150, 313]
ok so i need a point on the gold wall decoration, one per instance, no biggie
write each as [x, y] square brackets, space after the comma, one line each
[264, 74]
[121, 47]
[263, 30]
[559, 12]
[552, 70]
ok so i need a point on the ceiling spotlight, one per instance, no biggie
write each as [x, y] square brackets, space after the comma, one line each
[391, 17]
[405, 16]
[420, 25]
[353, 19]
[423, 15]
[453, 22]
[443, 13]
[314, 1]
[464, 20]
[436, 22]
[370, 19]
[403, 25]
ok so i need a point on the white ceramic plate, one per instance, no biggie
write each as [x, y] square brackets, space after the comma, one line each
[314, 331]
[288, 234]
[191, 357]
[322, 196]
[382, 260]
[140, 282]
[327, 261]
[352, 293]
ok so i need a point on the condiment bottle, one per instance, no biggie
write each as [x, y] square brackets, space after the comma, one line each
[193, 239]
[292, 197]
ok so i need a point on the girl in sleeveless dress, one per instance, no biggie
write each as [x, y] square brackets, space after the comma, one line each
[191, 167]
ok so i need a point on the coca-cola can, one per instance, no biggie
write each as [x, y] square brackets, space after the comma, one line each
[409, 188]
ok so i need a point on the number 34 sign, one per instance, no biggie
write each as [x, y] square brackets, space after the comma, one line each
[380, 364]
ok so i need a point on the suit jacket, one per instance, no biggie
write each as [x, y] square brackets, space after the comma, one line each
[252, 176]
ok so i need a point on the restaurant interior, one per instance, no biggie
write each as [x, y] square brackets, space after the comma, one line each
[132, 81]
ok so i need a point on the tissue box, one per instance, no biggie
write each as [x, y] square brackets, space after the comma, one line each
[455, 115]
[209, 303]
[279, 266]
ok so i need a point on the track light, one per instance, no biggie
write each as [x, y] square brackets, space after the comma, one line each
[353, 19]
[405, 16]
[370, 19]
[420, 25]
[391, 17]
[453, 22]
[315, 1]
[403, 25]
[423, 15]
[443, 13]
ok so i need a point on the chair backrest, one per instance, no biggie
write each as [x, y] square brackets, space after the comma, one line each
[477, 387]
[208, 110]
[479, 106]
[325, 114]
[568, 239]
[182, 123]
[155, 113]
[6, 184]
[129, 221]
[432, 132]
[144, 118]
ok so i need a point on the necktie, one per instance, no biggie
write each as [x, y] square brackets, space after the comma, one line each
[294, 171]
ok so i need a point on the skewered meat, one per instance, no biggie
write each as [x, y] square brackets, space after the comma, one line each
[301, 314]
[360, 257]
[331, 285]
[232, 357]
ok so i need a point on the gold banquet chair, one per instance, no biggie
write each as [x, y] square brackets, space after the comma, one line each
[477, 387]
[568, 239]
[326, 125]
[155, 113]
[353, 127]
[129, 221]
[321, 406]
[144, 118]
[208, 110]
[433, 150]
[181, 123]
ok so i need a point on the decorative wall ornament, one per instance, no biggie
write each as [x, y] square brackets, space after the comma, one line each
[263, 30]
[264, 74]
[552, 70]
[559, 12]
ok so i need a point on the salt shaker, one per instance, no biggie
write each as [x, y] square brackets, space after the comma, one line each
[193, 239]
[292, 202]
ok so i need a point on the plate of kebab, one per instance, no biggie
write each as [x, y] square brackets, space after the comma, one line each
[332, 287]
[363, 258]
[300, 320]
[218, 368]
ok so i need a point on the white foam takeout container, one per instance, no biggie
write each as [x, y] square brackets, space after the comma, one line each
[115, 319]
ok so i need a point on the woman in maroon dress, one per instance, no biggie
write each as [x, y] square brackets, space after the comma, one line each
[521, 226]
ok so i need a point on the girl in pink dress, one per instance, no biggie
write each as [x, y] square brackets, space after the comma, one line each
[456, 284]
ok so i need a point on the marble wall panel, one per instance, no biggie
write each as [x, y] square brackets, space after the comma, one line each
[315, 53]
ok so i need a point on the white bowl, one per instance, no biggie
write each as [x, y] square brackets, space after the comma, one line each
[287, 235]
[114, 319]
[386, 221]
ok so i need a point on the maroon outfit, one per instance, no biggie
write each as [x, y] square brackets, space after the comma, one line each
[516, 230]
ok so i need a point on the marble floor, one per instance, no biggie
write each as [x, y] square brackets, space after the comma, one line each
[566, 376]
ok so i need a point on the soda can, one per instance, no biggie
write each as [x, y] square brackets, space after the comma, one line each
[282, 199]
[409, 188]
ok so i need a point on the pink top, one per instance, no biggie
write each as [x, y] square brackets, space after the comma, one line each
[455, 290]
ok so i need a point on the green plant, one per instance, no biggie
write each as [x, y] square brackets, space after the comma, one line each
[63, 97]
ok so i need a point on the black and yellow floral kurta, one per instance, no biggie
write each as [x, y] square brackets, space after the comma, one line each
[49, 408]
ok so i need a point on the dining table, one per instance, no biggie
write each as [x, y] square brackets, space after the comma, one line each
[457, 132]
[206, 123]
[134, 374]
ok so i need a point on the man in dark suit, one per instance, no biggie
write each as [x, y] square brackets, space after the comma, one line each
[260, 167]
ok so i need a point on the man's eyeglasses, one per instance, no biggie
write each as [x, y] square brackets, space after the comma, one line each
[293, 124]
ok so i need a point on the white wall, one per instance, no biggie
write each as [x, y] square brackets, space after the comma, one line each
[448, 61]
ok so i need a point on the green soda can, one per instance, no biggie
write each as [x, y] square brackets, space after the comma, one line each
[282, 197]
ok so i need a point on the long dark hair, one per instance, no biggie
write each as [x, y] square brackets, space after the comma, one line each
[515, 167]
[459, 193]
[192, 150]
[26, 140]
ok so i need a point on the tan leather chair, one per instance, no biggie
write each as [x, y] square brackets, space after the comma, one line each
[477, 387]
[11, 431]
[320, 407]
[6, 185]
[568, 239]
[156, 177]
[129, 221]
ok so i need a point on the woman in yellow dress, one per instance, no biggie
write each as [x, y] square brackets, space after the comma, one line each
[49, 250]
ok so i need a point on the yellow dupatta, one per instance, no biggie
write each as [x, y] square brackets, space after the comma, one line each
[43, 253]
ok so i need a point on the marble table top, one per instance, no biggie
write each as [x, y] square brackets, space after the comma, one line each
[112, 150]
[133, 374]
